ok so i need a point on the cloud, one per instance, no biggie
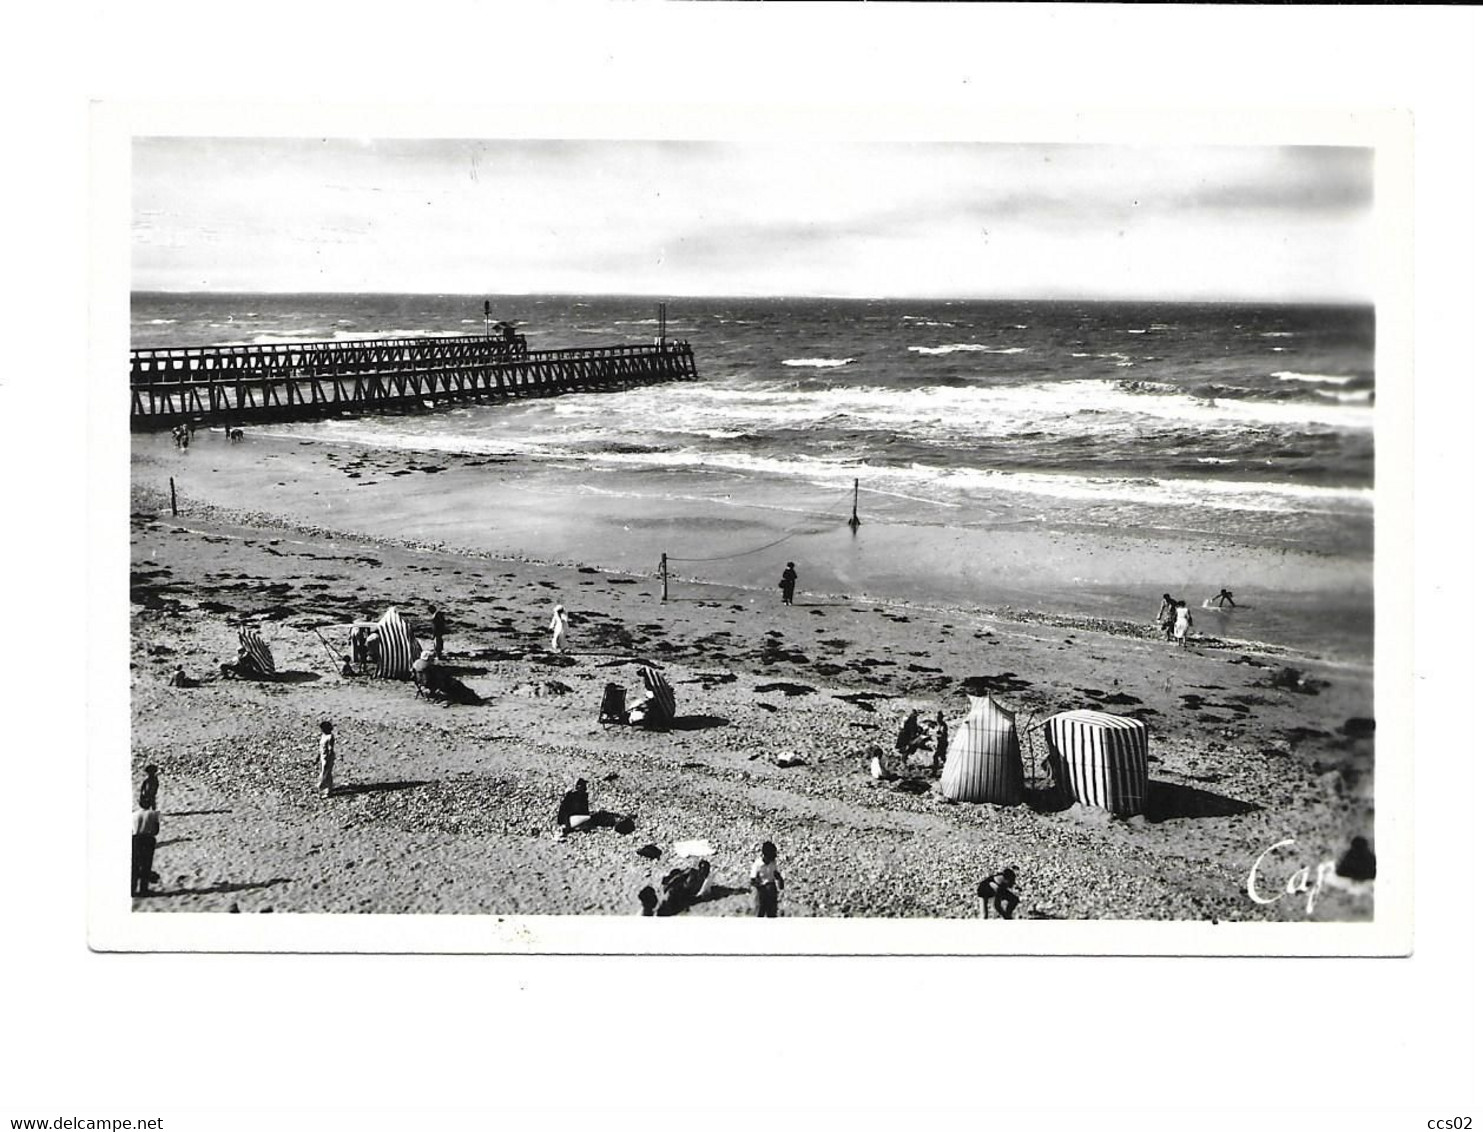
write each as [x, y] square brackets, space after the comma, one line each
[409, 214]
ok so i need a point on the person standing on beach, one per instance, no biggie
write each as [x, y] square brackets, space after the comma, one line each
[767, 881]
[1165, 618]
[149, 789]
[789, 580]
[558, 629]
[910, 737]
[440, 627]
[146, 831]
[1183, 623]
[326, 758]
[939, 751]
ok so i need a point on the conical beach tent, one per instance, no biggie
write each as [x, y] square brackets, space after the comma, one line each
[399, 648]
[1102, 759]
[983, 760]
[256, 649]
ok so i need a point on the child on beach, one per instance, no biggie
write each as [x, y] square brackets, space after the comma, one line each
[767, 881]
[997, 892]
[558, 629]
[326, 758]
[1183, 623]
[149, 789]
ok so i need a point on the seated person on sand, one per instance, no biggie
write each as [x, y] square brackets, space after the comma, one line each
[639, 715]
[244, 667]
[879, 769]
[427, 673]
[997, 892]
[575, 810]
[683, 887]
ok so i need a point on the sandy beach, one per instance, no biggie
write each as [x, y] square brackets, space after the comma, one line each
[449, 809]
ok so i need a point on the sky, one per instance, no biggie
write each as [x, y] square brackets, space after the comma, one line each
[949, 220]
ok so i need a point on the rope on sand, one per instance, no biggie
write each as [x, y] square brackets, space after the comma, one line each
[800, 529]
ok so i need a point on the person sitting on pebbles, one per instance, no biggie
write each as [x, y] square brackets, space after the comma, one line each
[997, 892]
[683, 887]
[575, 810]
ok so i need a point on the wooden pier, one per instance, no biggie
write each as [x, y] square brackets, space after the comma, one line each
[234, 385]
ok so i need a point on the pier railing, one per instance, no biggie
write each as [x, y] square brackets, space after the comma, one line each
[293, 380]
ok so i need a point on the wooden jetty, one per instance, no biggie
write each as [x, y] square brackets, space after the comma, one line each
[297, 380]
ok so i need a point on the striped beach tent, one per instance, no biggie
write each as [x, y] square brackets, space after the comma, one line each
[399, 648]
[1101, 758]
[256, 650]
[662, 713]
[983, 760]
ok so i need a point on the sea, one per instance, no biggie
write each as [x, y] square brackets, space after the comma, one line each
[1243, 432]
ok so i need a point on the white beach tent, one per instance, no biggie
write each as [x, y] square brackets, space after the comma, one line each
[1102, 759]
[983, 760]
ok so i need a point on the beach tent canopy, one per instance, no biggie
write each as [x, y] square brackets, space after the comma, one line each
[661, 711]
[399, 648]
[1101, 758]
[256, 649]
[983, 760]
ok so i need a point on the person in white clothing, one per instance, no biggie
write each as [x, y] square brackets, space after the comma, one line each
[558, 629]
[767, 881]
[1183, 623]
[326, 758]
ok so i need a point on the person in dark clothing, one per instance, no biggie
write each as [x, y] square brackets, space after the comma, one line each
[939, 751]
[1225, 598]
[149, 789]
[911, 734]
[789, 580]
[648, 900]
[1358, 862]
[1165, 618]
[682, 887]
[146, 831]
[575, 810]
[440, 627]
[997, 892]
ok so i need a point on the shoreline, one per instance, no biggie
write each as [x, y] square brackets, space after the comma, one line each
[1313, 605]
[446, 809]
